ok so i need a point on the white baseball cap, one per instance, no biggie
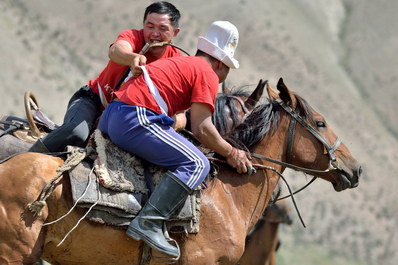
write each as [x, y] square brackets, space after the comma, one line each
[220, 42]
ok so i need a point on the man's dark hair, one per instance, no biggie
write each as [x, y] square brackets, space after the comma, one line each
[164, 7]
[203, 54]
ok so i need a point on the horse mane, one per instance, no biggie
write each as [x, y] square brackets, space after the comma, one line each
[265, 119]
[262, 120]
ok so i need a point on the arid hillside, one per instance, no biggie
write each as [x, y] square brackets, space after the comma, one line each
[340, 55]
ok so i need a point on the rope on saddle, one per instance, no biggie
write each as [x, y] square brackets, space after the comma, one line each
[76, 156]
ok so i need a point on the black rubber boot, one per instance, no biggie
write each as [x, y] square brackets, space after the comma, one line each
[147, 225]
[39, 147]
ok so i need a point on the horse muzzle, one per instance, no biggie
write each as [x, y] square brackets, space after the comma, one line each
[347, 180]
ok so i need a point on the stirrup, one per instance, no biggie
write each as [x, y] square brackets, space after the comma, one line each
[167, 260]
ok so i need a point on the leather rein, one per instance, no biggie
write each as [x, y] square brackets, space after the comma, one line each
[333, 163]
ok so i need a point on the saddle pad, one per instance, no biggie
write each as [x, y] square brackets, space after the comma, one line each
[118, 208]
[87, 190]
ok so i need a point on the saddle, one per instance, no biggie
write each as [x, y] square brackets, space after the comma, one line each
[113, 184]
[117, 184]
[36, 124]
[18, 134]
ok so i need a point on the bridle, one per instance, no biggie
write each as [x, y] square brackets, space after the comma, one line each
[333, 163]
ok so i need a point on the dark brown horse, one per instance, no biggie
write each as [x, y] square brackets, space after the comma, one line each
[263, 241]
[230, 207]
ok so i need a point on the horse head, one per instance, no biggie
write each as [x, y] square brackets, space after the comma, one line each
[311, 143]
[232, 107]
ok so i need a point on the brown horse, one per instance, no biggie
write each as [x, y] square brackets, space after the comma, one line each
[230, 207]
[263, 241]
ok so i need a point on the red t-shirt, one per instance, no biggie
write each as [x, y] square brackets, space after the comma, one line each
[111, 74]
[181, 81]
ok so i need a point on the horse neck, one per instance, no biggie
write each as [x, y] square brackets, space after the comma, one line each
[275, 145]
[250, 194]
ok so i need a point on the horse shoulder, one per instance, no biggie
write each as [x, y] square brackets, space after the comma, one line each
[220, 226]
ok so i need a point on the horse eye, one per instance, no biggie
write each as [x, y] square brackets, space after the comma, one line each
[320, 124]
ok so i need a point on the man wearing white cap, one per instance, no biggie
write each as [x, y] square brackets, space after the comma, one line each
[139, 122]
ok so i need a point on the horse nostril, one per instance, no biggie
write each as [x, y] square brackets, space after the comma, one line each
[359, 171]
[357, 174]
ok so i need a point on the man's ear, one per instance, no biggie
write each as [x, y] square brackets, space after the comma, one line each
[176, 31]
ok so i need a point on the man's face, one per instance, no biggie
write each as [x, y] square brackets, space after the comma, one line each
[158, 28]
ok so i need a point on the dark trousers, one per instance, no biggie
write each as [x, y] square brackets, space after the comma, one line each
[84, 108]
[150, 136]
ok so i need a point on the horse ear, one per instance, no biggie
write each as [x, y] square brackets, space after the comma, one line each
[225, 90]
[272, 93]
[285, 94]
[253, 99]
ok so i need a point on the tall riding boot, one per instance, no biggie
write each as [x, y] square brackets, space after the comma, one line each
[170, 193]
[39, 147]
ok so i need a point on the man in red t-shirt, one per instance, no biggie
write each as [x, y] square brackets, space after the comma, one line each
[139, 122]
[160, 24]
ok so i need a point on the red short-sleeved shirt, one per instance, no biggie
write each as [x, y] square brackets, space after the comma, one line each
[181, 81]
[111, 74]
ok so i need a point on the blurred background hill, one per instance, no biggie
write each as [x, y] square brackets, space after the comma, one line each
[340, 55]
